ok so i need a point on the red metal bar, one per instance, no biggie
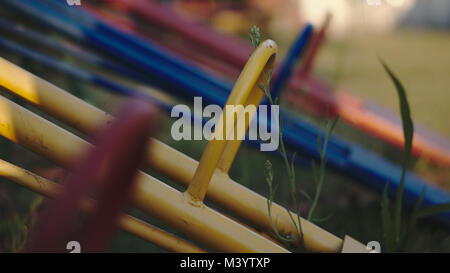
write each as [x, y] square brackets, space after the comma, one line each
[315, 46]
[108, 170]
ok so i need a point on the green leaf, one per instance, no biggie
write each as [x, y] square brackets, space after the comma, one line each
[292, 165]
[305, 194]
[319, 144]
[433, 210]
[331, 126]
[255, 36]
[262, 87]
[281, 125]
[270, 76]
[268, 172]
[322, 219]
[315, 171]
[388, 232]
[275, 188]
[408, 127]
[412, 222]
[277, 101]
[408, 132]
[418, 205]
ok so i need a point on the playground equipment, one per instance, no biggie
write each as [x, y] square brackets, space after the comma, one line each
[126, 222]
[307, 92]
[179, 78]
[108, 170]
[183, 211]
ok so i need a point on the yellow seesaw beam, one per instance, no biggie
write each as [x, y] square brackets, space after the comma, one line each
[126, 222]
[220, 152]
[151, 195]
[164, 159]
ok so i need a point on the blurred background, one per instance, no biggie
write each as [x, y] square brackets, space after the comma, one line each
[412, 36]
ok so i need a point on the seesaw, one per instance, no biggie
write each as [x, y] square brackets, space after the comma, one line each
[347, 158]
[184, 211]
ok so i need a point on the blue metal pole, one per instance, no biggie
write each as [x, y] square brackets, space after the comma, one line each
[73, 50]
[295, 52]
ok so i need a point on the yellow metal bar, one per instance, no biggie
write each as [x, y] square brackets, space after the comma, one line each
[350, 245]
[232, 145]
[244, 90]
[162, 158]
[151, 195]
[126, 222]
[248, 80]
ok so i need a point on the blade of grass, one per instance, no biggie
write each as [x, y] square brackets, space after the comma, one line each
[432, 210]
[388, 232]
[408, 133]
[319, 173]
[413, 221]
